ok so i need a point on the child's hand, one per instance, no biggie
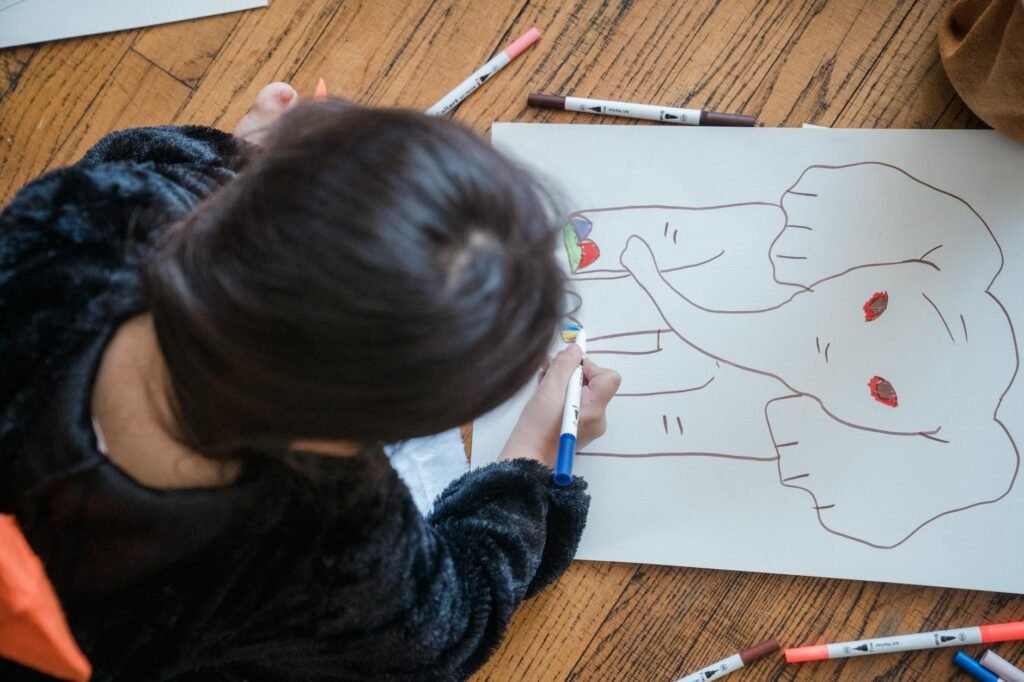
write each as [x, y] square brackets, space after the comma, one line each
[536, 433]
[272, 101]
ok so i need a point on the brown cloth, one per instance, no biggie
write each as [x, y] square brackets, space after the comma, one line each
[982, 47]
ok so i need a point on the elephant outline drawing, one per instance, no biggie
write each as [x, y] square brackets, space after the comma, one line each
[848, 331]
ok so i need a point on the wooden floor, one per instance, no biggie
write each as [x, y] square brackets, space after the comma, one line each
[863, 63]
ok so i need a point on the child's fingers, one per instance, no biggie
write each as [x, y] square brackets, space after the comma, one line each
[602, 383]
[561, 367]
[543, 370]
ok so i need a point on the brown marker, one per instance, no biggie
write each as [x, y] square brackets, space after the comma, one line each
[647, 112]
[734, 662]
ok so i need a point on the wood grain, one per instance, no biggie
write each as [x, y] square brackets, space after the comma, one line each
[185, 50]
[871, 63]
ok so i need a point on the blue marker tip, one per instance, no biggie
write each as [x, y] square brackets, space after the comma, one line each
[973, 668]
[563, 467]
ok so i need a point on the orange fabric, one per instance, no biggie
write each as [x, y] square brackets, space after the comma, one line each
[33, 631]
[981, 43]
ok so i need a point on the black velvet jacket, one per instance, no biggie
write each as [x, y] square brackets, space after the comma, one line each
[275, 577]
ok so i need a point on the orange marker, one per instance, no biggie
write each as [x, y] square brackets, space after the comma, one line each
[980, 634]
[320, 94]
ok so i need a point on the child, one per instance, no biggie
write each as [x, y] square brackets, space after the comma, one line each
[205, 345]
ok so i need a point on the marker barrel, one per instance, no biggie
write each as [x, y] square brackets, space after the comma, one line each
[466, 87]
[647, 112]
[570, 424]
[478, 77]
[715, 670]
[884, 645]
[734, 662]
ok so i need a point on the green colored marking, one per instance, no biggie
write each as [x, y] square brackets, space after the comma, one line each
[572, 246]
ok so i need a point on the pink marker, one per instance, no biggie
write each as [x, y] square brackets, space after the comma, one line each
[466, 87]
[982, 634]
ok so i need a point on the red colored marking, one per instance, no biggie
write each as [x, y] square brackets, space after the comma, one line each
[882, 391]
[590, 253]
[876, 305]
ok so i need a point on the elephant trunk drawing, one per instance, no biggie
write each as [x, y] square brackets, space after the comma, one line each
[725, 337]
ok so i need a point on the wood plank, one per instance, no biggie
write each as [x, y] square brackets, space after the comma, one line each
[671, 622]
[13, 62]
[550, 632]
[186, 49]
[958, 115]
[54, 92]
[906, 87]
[267, 45]
[830, 53]
[138, 93]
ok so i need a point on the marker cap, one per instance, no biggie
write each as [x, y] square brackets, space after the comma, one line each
[973, 668]
[563, 467]
[804, 654]
[548, 101]
[761, 650]
[1002, 632]
[1001, 667]
[717, 118]
[521, 43]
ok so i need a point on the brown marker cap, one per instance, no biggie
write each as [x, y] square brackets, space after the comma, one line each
[716, 118]
[548, 101]
[760, 651]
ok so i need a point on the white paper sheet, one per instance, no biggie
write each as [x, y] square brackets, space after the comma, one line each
[32, 21]
[816, 337]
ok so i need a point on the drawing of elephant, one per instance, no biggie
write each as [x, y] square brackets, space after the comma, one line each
[848, 333]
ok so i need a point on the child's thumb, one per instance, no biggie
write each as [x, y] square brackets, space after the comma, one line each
[561, 368]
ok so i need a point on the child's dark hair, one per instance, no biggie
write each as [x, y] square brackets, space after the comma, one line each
[372, 276]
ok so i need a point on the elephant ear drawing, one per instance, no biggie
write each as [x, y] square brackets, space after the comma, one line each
[842, 217]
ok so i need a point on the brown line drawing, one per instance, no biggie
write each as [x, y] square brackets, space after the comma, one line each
[649, 455]
[625, 334]
[935, 438]
[805, 288]
[772, 375]
[817, 343]
[664, 421]
[7, 7]
[788, 445]
[623, 274]
[675, 234]
[679, 422]
[939, 313]
[673, 392]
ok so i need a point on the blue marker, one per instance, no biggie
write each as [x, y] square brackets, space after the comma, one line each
[571, 411]
[974, 669]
